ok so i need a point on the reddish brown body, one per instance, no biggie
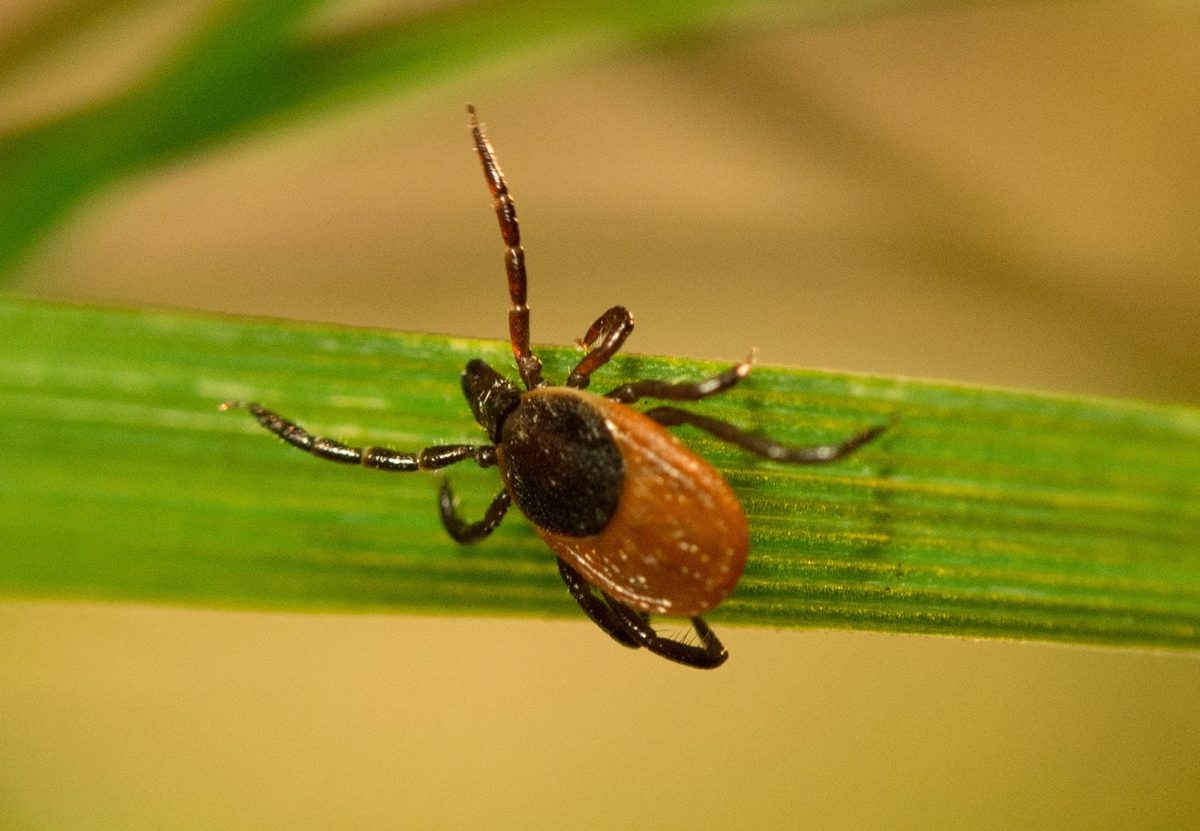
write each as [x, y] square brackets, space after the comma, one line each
[677, 542]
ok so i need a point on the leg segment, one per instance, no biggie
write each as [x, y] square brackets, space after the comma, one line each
[380, 458]
[465, 532]
[610, 329]
[528, 364]
[768, 449]
[632, 628]
[594, 607]
[709, 654]
[682, 390]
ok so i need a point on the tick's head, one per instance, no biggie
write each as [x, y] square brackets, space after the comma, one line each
[491, 395]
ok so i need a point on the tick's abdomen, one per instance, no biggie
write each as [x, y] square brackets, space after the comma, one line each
[674, 539]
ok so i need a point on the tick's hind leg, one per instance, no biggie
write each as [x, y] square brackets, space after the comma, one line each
[761, 446]
[595, 607]
[710, 653]
[632, 628]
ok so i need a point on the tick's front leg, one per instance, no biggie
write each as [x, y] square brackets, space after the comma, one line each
[379, 458]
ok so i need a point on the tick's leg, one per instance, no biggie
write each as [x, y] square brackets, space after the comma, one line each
[468, 532]
[682, 390]
[380, 458]
[594, 607]
[709, 654]
[528, 364]
[760, 446]
[610, 331]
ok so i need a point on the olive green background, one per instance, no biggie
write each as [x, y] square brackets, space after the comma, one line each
[992, 194]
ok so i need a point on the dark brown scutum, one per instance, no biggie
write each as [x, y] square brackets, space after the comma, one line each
[560, 464]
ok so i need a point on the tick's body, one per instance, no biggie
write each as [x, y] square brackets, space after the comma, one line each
[637, 514]
[639, 523]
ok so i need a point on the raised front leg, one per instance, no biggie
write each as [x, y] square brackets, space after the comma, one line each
[529, 365]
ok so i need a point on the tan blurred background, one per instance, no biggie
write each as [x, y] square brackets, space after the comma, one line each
[1004, 195]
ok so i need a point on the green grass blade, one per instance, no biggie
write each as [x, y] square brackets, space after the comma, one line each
[981, 513]
[257, 64]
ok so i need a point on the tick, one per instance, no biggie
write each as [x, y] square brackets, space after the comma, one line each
[640, 524]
